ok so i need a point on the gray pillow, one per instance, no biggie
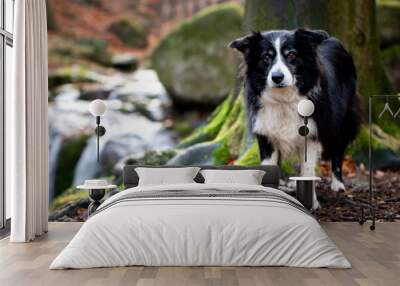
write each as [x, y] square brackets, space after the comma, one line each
[247, 177]
[166, 176]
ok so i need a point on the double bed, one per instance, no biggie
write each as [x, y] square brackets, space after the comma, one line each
[201, 224]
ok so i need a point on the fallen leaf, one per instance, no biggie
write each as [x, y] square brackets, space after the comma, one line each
[325, 168]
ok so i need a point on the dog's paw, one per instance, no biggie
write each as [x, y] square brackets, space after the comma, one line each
[336, 185]
[316, 205]
[291, 184]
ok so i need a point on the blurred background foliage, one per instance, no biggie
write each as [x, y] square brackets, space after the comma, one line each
[173, 86]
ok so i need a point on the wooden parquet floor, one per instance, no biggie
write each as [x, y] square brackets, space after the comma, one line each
[375, 257]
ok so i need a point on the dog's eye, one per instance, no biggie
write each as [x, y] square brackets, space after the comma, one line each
[292, 55]
[268, 56]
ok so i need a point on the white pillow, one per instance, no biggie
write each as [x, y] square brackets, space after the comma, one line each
[166, 176]
[248, 177]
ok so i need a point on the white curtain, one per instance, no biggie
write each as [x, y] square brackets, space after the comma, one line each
[27, 128]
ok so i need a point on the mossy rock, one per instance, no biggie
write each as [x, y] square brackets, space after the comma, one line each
[388, 17]
[93, 49]
[251, 157]
[194, 61]
[222, 155]
[198, 154]
[386, 148]
[69, 195]
[210, 129]
[125, 62]
[130, 31]
[226, 130]
[69, 50]
[69, 155]
[151, 158]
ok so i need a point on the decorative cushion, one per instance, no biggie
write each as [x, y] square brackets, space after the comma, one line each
[247, 177]
[162, 176]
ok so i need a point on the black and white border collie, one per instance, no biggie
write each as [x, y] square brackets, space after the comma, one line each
[283, 67]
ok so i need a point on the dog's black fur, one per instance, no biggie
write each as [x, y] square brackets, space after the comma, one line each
[324, 72]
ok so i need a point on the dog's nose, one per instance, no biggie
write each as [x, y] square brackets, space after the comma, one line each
[277, 77]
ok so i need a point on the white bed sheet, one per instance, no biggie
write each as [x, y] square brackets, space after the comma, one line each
[200, 231]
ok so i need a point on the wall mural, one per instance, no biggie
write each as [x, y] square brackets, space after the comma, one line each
[174, 95]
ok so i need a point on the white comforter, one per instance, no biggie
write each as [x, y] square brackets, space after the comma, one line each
[200, 231]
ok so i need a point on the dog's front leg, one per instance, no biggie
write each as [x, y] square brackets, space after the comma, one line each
[337, 179]
[308, 167]
[268, 154]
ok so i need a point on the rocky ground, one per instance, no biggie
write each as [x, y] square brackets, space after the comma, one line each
[339, 206]
[135, 122]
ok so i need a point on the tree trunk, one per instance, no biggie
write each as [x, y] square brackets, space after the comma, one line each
[261, 15]
[354, 23]
[351, 21]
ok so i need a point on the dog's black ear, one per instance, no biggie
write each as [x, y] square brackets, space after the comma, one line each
[243, 44]
[314, 37]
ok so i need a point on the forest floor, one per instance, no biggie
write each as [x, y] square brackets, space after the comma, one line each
[338, 206]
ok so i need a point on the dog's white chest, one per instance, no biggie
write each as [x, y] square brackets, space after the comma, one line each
[279, 121]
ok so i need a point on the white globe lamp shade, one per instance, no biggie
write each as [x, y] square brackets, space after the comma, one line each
[305, 107]
[97, 107]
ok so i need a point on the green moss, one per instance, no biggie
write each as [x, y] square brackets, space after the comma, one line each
[183, 128]
[67, 51]
[222, 155]
[93, 49]
[234, 134]
[390, 3]
[380, 140]
[68, 158]
[130, 31]
[212, 127]
[234, 129]
[228, 126]
[67, 196]
[391, 55]
[289, 166]
[73, 74]
[391, 128]
[234, 112]
[386, 148]
[251, 157]
[194, 62]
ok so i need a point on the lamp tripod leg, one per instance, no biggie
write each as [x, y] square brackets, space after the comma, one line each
[98, 147]
[305, 148]
[98, 137]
